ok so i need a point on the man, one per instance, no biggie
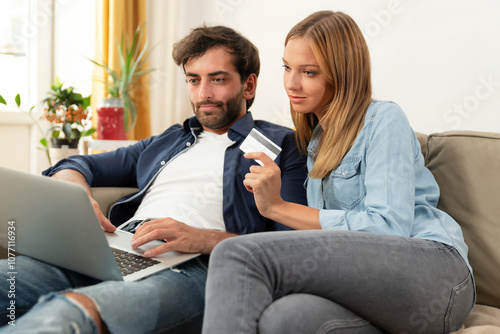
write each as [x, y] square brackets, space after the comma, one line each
[191, 185]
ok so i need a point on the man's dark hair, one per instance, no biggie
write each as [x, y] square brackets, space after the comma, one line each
[246, 55]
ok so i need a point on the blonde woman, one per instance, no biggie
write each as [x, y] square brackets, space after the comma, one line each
[377, 256]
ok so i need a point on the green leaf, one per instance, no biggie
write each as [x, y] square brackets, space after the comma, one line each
[86, 102]
[88, 132]
[2, 100]
[77, 97]
[44, 142]
[75, 134]
[18, 100]
[68, 132]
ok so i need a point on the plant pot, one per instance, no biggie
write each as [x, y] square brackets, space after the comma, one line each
[62, 148]
[110, 122]
[57, 154]
[64, 143]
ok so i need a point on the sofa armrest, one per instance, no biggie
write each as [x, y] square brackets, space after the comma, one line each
[107, 196]
[422, 139]
[465, 165]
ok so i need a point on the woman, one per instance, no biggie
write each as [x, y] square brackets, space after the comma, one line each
[383, 258]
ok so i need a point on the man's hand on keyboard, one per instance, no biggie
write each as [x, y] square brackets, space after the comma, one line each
[178, 236]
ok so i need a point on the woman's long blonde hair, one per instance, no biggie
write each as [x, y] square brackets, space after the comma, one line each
[343, 57]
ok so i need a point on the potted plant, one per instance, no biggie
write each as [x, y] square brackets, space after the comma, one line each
[120, 85]
[68, 112]
[69, 115]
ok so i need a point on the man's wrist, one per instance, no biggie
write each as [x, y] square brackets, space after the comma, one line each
[73, 176]
[212, 238]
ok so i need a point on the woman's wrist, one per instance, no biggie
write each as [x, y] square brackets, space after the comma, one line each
[296, 216]
[277, 211]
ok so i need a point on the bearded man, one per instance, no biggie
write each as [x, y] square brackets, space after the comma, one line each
[191, 194]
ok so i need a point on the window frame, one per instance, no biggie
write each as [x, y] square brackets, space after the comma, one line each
[40, 53]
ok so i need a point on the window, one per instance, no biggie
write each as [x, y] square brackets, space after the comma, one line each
[44, 39]
[14, 49]
[39, 39]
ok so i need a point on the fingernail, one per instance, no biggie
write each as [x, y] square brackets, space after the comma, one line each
[134, 244]
[147, 254]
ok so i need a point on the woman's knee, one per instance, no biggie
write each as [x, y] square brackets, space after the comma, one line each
[241, 248]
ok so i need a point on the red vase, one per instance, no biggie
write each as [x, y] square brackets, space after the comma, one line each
[110, 123]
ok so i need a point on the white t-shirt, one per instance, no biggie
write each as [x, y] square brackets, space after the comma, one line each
[189, 188]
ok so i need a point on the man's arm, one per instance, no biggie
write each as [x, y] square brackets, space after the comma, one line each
[178, 236]
[73, 176]
[115, 168]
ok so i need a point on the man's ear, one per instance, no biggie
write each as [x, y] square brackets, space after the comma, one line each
[250, 86]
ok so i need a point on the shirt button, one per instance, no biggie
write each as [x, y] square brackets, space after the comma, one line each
[188, 144]
[344, 173]
[162, 163]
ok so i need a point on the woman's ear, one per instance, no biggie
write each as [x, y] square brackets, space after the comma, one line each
[250, 86]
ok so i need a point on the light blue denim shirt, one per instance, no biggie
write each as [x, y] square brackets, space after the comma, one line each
[382, 185]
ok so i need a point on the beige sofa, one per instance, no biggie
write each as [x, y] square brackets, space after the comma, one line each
[466, 166]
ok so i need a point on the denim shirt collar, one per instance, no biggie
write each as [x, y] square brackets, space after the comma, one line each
[312, 147]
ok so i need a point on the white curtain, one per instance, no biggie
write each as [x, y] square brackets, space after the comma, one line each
[168, 94]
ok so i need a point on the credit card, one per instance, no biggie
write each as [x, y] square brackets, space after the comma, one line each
[257, 142]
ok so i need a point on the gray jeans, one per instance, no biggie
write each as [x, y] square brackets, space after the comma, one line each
[336, 281]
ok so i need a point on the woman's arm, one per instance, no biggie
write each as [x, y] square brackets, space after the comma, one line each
[265, 183]
[389, 184]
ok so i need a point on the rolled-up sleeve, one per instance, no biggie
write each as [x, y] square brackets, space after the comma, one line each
[115, 168]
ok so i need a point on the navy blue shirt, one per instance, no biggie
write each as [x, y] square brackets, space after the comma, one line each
[137, 166]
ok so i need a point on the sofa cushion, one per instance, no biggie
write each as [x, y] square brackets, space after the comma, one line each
[466, 167]
[482, 320]
[107, 196]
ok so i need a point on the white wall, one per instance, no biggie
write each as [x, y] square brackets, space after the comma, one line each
[438, 59]
[74, 43]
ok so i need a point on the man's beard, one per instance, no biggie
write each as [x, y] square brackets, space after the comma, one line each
[229, 112]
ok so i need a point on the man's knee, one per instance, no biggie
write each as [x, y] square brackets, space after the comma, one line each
[89, 307]
[55, 313]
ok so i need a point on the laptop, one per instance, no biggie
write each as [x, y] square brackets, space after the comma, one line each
[53, 221]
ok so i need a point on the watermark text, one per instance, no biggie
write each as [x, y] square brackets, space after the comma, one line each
[11, 274]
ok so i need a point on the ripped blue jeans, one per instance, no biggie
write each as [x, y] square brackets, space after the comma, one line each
[159, 302]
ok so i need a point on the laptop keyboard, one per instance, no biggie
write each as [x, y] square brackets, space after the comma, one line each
[130, 263]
